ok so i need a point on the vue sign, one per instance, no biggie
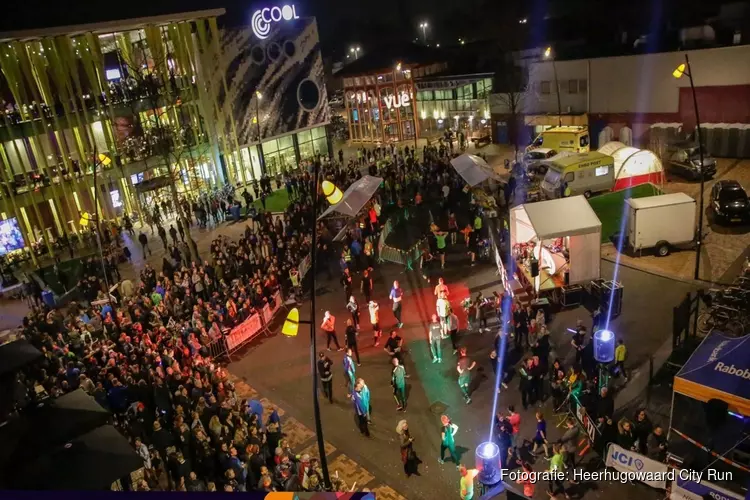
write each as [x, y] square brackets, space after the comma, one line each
[397, 101]
[263, 18]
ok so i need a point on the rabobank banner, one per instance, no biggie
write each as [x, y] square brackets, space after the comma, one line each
[684, 489]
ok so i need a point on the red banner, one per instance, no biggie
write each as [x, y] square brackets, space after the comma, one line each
[244, 331]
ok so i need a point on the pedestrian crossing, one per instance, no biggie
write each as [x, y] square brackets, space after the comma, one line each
[301, 440]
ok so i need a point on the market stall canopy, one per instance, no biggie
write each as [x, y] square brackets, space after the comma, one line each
[355, 197]
[473, 169]
[557, 218]
[17, 354]
[54, 422]
[92, 461]
[718, 369]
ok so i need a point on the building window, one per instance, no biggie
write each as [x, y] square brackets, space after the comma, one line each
[583, 86]
[279, 155]
[572, 86]
[544, 87]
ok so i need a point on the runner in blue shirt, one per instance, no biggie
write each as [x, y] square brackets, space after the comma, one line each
[396, 295]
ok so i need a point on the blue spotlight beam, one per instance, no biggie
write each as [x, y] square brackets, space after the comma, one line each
[618, 256]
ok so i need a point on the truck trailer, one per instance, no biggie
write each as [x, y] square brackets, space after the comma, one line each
[660, 222]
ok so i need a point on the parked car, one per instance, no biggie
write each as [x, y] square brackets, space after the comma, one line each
[729, 202]
[685, 161]
[532, 160]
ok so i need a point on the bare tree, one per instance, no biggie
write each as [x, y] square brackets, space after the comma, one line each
[512, 95]
[168, 140]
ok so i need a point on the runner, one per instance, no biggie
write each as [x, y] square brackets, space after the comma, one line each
[375, 320]
[396, 295]
[436, 337]
[464, 367]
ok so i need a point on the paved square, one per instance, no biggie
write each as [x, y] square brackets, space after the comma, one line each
[295, 432]
[268, 407]
[386, 493]
[350, 471]
[312, 449]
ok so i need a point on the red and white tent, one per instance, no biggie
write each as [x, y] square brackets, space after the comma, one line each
[633, 166]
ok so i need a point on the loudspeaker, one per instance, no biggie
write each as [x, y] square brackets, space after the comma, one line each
[716, 412]
[534, 268]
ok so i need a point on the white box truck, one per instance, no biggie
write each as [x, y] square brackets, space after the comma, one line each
[660, 222]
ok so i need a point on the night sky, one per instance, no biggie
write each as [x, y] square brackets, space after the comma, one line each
[369, 22]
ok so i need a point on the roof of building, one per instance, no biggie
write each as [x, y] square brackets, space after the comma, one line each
[109, 26]
[388, 56]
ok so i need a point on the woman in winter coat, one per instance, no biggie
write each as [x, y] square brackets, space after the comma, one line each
[625, 436]
[408, 455]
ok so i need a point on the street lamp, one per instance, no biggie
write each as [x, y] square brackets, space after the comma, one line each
[291, 325]
[684, 69]
[423, 26]
[355, 51]
[548, 55]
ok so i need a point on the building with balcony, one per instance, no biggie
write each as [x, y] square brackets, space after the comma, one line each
[399, 93]
[171, 100]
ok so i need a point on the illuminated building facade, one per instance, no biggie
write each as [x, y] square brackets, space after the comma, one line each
[170, 99]
[393, 99]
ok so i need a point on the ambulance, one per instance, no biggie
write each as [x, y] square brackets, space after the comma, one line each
[570, 138]
[580, 173]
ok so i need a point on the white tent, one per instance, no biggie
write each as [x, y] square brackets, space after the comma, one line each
[355, 197]
[633, 166]
[570, 218]
[473, 169]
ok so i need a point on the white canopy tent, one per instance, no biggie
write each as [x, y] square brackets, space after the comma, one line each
[473, 169]
[570, 218]
[355, 197]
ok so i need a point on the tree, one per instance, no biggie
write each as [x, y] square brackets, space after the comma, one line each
[170, 135]
[512, 95]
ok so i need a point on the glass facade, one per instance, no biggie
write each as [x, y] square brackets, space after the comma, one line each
[311, 143]
[463, 107]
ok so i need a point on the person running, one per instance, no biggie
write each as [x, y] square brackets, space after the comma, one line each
[466, 484]
[353, 308]
[443, 308]
[393, 346]
[350, 337]
[556, 464]
[453, 227]
[441, 289]
[326, 375]
[436, 337]
[447, 442]
[375, 321]
[329, 327]
[349, 372]
[464, 367]
[396, 295]
[398, 381]
[440, 237]
[365, 391]
[453, 330]
[540, 438]
[360, 410]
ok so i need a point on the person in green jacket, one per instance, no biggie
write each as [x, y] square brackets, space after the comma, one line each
[398, 381]
[365, 393]
[447, 442]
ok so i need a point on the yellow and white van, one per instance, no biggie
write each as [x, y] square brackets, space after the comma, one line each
[569, 138]
[581, 173]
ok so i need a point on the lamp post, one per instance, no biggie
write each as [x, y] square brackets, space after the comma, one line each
[355, 51]
[423, 26]
[291, 326]
[548, 55]
[101, 159]
[684, 69]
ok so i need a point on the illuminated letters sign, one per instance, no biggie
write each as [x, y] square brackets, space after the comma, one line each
[263, 18]
[397, 101]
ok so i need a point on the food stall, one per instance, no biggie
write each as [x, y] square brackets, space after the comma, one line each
[555, 243]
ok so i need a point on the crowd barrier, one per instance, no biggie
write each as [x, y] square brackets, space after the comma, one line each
[234, 339]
